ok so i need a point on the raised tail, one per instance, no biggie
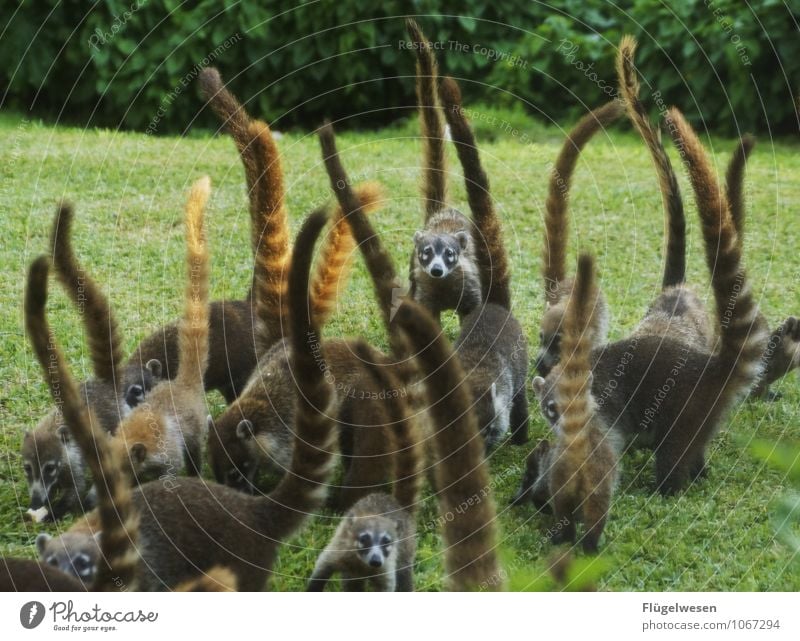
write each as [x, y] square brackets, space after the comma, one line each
[434, 186]
[335, 257]
[734, 181]
[102, 331]
[465, 502]
[272, 246]
[303, 488]
[574, 384]
[557, 203]
[489, 247]
[406, 487]
[193, 328]
[675, 263]
[742, 330]
[118, 517]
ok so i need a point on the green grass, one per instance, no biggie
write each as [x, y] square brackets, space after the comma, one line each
[129, 191]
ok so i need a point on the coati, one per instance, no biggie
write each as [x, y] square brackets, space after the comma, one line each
[677, 311]
[491, 345]
[782, 353]
[116, 513]
[443, 272]
[53, 463]
[375, 542]
[165, 433]
[190, 527]
[662, 393]
[466, 505]
[581, 466]
[557, 285]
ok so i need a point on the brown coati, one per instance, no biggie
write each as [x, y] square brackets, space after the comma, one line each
[677, 311]
[782, 354]
[491, 345]
[557, 285]
[581, 466]
[443, 272]
[189, 527]
[115, 568]
[662, 393]
[165, 433]
[53, 464]
[375, 542]
[466, 505]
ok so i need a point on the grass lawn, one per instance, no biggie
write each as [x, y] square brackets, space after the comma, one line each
[129, 191]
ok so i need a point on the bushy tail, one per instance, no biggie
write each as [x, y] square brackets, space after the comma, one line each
[434, 186]
[465, 501]
[734, 181]
[489, 247]
[118, 517]
[675, 264]
[302, 490]
[102, 331]
[335, 258]
[272, 246]
[217, 579]
[574, 384]
[556, 205]
[407, 454]
[742, 330]
[193, 328]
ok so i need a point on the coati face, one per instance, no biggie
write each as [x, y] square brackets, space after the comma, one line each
[544, 389]
[534, 486]
[150, 377]
[783, 349]
[438, 254]
[47, 455]
[373, 539]
[74, 553]
[142, 440]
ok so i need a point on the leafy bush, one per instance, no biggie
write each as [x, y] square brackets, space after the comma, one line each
[131, 63]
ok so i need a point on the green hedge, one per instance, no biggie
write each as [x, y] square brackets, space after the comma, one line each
[131, 63]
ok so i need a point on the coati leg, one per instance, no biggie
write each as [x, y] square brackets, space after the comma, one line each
[672, 472]
[193, 458]
[566, 513]
[323, 571]
[519, 417]
[698, 469]
[353, 585]
[595, 511]
[405, 579]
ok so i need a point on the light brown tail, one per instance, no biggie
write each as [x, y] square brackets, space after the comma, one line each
[102, 331]
[557, 203]
[742, 329]
[465, 501]
[335, 258]
[119, 519]
[434, 185]
[489, 246]
[675, 263]
[734, 181]
[193, 328]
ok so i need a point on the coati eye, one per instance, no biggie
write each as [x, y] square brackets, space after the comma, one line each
[426, 251]
[49, 469]
[365, 539]
[386, 540]
[450, 254]
[550, 408]
[51, 560]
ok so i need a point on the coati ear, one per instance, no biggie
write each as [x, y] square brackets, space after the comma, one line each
[417, 237]
[154, 365]
[463, 239]
[139, 452]
[42, 540]
[245, 430]
[538, 386]
[63, 434]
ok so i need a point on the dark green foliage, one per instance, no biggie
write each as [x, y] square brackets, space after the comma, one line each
[297, 62]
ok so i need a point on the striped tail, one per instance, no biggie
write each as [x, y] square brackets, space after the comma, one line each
[742, 330]
[304, 487]
[102, 331]
[675, 263]
[118, 517]
[272, 248]
[489, 246]
[734, 181]
[574, 384]
[335, 259]
[434, 185]
[193, 328]
[465, 502]
[407, 455]
[557, 203]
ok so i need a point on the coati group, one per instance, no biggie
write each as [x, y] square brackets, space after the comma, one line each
[126, 448]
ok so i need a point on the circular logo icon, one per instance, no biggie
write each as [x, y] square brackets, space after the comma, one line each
[31, 614]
